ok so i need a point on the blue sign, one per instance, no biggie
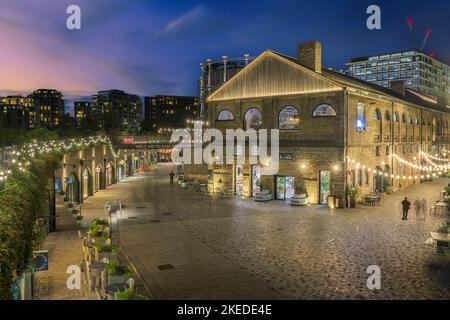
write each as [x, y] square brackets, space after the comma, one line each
[69, 180]
[40, 260]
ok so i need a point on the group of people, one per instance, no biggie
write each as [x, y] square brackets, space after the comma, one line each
[420, 208]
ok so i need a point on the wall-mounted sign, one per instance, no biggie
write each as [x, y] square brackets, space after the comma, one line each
[286, 156]
[40, 260]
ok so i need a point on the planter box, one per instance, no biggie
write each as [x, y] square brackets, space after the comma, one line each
[299, 200]
[108, 255]
[263, 196]
[112, 278]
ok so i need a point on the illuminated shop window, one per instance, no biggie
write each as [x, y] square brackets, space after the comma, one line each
[289, 118]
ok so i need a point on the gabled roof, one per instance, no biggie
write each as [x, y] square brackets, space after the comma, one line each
[334, 81]
[272, 74]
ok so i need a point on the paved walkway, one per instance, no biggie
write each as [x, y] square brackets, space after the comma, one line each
[64, 250]
[191, 247]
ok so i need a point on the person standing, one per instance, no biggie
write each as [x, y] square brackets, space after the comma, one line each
[406, 205]
[171, 176]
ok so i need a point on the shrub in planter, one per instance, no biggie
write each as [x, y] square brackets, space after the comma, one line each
[101, 222]
[128, 294]
[300, 197]
[443, 229]
[353, 194]
[118, 273]
[106, 251]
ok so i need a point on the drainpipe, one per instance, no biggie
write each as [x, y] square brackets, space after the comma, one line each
[345, 167]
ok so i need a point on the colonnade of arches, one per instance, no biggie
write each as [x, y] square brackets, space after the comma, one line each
[77, 188]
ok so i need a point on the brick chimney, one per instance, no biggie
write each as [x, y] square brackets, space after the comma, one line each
[310, 55]
[398, 86]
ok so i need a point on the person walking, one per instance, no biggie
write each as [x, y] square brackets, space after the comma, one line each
[406, 205]
[424, 208]
[171, 176]
[417, 208]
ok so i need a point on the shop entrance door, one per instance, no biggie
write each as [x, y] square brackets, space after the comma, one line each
[324, 186]
[256, 179]
[239, 179]
[284, 188]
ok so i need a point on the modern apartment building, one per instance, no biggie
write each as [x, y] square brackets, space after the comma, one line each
[82, 110]
[17, 112]
[421, 72]
[165, 113]
[117, 110]
[48, 105]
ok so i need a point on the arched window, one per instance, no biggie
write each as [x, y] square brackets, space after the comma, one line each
[396, 116]
[387, 115]
[377, 114]
[417, 121]
[225, 115]
[360, 117]
[410, 119]
[403, 118]
[388, 150]
[324, 110]
[252, 119]
[423, 122]
[289, 118]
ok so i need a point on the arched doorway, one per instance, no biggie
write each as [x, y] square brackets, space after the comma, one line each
[99, 183]
[58, 185]
[87, 183]
[73, 188]
[109, 174]
[378, 180]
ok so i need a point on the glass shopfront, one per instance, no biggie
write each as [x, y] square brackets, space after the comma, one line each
[239, 179]
[256, 179]
[284, 187]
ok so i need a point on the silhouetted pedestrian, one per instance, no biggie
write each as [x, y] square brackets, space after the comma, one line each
[406, 205]
[171, 177]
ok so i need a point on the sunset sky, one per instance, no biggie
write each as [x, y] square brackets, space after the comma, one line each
[155, 47]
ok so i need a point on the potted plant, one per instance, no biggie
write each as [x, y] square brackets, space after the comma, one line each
[128, 294]
[353, 194]
[118, 273]
[106, 251]
[443, 229]
[263, 194]
[300, 197]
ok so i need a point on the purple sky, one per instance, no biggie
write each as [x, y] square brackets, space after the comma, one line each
[155, 47]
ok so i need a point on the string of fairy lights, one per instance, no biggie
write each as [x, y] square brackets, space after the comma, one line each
[431, 170]
[30, 150]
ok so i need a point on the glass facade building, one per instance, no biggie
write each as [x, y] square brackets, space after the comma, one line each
[420, 72]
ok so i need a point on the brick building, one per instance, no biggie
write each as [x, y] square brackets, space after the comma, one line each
[335, 130]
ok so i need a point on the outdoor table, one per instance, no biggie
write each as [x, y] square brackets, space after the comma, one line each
[111, 289]
[441, 208]
[442, 241]
[372, 200]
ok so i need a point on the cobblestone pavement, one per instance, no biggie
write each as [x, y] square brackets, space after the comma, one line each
[234, 249]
